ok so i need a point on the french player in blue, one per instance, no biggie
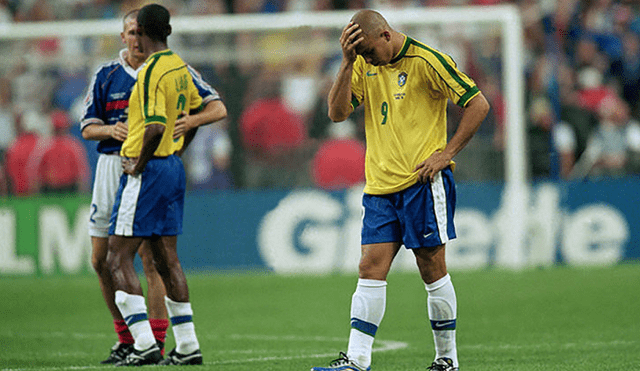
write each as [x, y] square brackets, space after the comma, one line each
[105, 120]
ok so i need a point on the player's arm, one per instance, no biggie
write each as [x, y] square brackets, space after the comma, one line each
[339, 99]
[474, 113]
[97, 131]
[93, 125]
[214, 111]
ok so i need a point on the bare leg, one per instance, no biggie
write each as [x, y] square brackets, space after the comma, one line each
[156, 290]
[99, 262]
[376, 259]
[431, 263]
[168, 265]
[122, 251]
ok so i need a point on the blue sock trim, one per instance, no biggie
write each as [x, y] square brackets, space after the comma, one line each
[177, 320]
[447, 324]
[364, 327]
[135, 318]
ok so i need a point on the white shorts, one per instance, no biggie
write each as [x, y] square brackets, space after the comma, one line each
[105, 186]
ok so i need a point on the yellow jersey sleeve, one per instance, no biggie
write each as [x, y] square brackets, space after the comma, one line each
[357, 82]
[446, 79]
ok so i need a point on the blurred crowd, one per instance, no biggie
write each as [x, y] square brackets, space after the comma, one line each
[582, 67]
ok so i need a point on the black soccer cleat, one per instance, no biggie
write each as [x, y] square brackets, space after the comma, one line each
[175, 358]
[118, 353]
[149, 356]
[442, 364]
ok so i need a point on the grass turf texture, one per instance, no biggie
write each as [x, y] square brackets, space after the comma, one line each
[551, 319]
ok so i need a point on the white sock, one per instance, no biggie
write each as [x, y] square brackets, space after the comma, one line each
[181, 316]
[134, 311]
[443, 314]
[367, 309]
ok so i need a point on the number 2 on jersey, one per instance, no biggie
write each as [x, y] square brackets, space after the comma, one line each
[385, 111]
[182, 102]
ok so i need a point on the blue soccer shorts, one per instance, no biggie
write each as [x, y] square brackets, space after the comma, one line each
[151, 203]
[419, 216]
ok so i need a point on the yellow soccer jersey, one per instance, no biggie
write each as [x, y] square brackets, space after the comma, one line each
[163, 90]
[405, 105]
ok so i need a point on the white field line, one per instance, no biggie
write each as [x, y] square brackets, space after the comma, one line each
[567, 346]
[381, 346]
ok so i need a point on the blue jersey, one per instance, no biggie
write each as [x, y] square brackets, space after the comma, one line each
[107, 99]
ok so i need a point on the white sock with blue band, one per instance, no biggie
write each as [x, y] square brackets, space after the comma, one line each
[181, 316]
[442, 307]
[134, 312]
[367, 309]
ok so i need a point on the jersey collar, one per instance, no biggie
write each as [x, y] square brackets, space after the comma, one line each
[403, 50]
[160, 53]
[127, 67]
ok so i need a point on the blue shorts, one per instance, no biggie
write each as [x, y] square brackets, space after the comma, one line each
[419, 216]
[151, 203]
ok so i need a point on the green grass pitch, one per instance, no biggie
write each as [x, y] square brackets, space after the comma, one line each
[548, 319]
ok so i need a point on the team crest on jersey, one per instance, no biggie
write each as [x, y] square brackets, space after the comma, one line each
[402, 79]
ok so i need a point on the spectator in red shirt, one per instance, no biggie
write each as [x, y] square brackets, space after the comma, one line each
[275, 139]
[18, 155]
[339, 162]
[592, 90]
[60, 165]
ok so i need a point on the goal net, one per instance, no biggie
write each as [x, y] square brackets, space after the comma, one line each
[50, 64]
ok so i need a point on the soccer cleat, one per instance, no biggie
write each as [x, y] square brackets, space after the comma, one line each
[118, 353]
[342, 364]
[175, 358]
[442, 364]
[149, 356]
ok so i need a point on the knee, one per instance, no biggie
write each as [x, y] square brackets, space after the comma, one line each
[112, 263]
[364, 267]
[148, 263]
[369, 269]
[153, 266]
[99, 252]
[431, 268]
[98, 263]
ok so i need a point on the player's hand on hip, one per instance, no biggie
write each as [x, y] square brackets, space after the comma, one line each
[350, 38]
[428, 168]
[182, 125]
[129, 166]
[119, 131]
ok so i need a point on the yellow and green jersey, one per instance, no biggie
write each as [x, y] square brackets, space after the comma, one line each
[405, 106]
[163, 90]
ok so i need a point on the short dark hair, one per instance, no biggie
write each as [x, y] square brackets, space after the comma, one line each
[154, 19]
[130, 14]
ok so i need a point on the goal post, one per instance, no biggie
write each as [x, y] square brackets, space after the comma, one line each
[510, 250]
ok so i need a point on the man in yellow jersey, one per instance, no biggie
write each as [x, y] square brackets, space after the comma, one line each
[104, 120]
[150, 199]
[409, 197]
